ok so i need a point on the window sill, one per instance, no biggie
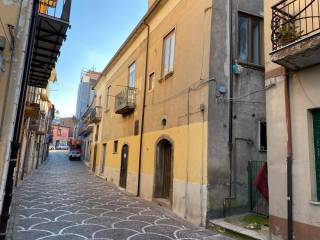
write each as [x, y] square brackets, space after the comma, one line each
[315, 203]
[251, 65]
[165, 77]
[107, 110]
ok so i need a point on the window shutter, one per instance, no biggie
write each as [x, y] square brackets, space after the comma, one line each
[316, 127]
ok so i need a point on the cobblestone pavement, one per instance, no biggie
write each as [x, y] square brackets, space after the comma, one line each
[63, 201]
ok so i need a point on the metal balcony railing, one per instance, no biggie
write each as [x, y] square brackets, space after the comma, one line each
[96, 114]
[125, 101]
[293, 20]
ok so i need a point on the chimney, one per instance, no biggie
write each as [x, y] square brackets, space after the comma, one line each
[150, 3]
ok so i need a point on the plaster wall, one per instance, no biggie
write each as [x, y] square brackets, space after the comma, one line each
[304, 96]
[248, 109]
[18, 14]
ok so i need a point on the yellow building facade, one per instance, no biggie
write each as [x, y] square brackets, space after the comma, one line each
[152, 137]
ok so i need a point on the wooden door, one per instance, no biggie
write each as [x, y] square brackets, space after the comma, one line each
[124, 166]
[163, 178]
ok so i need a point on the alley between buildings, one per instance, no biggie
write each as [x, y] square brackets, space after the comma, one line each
[62, 200]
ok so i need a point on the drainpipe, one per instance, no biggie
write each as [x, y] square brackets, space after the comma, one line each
[17, 127]
[143, 106]
[289, 156]
[230, 141]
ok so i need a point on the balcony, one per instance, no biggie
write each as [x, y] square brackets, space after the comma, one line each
[32, 108]
[95, 114]
[296, 33]
[125, 101]
[34, 125]
[51, 25]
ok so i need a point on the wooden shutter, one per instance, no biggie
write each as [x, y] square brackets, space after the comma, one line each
[316, 127]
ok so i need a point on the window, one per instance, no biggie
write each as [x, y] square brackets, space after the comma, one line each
[115, 146]
[168, 52]
[132, 75]
[262, 130]
[103, 162]
[108, 97]
[316, 134]
[250, 39]
[152, 78]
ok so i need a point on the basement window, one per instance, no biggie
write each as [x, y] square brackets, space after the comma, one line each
[262, 131]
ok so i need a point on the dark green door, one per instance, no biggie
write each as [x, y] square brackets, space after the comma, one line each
[316, 127]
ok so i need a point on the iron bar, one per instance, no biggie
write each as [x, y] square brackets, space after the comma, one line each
[293, 20]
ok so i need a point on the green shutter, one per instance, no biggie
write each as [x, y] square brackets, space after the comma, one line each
[316, 127]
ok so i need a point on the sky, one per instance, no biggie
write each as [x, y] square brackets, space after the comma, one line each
[98, 29]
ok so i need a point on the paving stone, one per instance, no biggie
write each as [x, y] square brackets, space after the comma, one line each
[30, 234]
[131, 224]
[51, 215]
[54, 227]
[117, 234]
[103, 221]
[64, 237]
[86, 230]
[149, 236]
[26, 223]
[165, 230]
[63, 201]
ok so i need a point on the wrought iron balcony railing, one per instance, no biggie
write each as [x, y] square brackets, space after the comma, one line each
[125, 101]
[96, 114]
[293, 20]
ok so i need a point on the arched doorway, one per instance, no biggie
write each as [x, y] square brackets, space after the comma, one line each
[124, 166]
[164, 170]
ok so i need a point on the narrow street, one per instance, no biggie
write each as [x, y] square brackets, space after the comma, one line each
[63, 200]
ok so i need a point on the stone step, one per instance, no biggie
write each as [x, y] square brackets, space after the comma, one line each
[221, 223]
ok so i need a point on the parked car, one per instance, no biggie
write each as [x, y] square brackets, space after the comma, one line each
[62, 147]
[51, 147]
[74, 154]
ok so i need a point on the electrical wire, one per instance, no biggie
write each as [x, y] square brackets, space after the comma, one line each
[250, 93]
[305, 92]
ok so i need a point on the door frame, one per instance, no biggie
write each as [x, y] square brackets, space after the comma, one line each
[127, 163]
[169, 139]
